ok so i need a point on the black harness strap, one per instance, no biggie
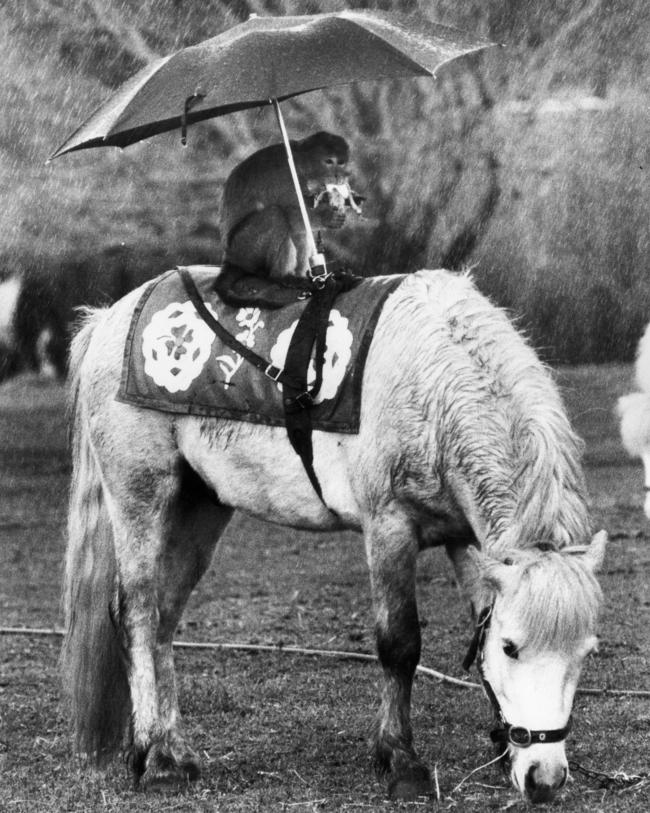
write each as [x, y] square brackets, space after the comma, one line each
[309, 336]
[523, 737]
[274, 373]
[478, 638]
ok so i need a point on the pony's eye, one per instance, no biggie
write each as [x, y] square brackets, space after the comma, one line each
[510, 649]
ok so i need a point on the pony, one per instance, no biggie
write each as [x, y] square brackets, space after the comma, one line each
[463, 442]
[633, 412]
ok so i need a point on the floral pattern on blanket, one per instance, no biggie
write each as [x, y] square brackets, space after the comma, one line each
[176, 344]
[173, 362]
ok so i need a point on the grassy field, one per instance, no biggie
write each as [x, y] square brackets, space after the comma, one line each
[284, 733]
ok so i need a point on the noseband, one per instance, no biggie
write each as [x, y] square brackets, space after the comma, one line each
[504, 733]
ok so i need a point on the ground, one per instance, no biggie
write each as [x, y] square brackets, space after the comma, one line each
[281, 732]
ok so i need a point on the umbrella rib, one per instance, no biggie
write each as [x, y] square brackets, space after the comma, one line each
[424, 71]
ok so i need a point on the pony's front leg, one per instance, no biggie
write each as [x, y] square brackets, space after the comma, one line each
[392, 549]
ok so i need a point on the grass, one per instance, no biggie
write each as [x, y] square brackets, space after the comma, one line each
[284, 733]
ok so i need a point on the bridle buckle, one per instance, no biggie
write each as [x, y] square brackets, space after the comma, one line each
[520, 736]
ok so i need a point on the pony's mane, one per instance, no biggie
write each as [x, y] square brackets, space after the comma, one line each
[503, 422]
[556, 602]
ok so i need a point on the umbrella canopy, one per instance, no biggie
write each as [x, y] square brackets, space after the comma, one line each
[269, 58]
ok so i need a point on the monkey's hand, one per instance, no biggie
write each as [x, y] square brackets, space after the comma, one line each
[328, 216]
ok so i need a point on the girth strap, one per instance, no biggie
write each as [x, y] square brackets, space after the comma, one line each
[309, 336]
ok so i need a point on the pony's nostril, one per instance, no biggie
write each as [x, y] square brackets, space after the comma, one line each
[531, 783]
[537, 792]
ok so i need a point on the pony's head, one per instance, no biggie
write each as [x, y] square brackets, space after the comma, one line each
[537, 612]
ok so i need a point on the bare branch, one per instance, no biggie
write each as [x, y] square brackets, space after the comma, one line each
[124, 31]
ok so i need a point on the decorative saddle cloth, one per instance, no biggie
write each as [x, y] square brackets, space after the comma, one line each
[173, 362]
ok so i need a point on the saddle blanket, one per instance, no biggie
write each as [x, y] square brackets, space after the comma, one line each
[173, 362]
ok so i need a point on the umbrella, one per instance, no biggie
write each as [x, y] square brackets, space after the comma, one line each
[266, 60]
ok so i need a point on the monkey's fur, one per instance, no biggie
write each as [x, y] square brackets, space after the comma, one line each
[260, 217]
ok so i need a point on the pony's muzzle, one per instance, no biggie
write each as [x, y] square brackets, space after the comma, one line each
[541, 784]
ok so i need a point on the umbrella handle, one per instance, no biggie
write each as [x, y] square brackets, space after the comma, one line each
[317, 267]
[190, 102]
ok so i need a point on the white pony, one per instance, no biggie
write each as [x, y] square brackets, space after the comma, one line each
[463, 442]
[634, 414]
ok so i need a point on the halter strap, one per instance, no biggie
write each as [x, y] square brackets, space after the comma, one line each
[476, 644]
[505, 733]
[522, 737]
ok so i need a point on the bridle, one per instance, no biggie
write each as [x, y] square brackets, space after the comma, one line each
[504, 733]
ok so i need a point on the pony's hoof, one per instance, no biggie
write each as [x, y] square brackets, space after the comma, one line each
[190, 764]
[153, 780]
[163, 768]
[410, 786]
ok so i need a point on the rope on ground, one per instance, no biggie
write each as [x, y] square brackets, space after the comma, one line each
[341, 654]
[619, 780]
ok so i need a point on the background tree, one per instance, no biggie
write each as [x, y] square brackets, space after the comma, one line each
[528, 163]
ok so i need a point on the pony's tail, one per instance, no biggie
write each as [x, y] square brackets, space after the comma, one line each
[92, 661]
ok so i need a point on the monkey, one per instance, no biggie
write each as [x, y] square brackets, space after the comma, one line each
[260, 218]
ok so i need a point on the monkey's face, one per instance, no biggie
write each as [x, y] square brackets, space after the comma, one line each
[334, 167]
[324, 168]
[322, 159]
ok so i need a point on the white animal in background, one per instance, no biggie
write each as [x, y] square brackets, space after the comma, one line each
[9, 293]
[634, 414]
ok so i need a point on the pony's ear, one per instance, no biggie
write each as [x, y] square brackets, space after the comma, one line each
[594, 555]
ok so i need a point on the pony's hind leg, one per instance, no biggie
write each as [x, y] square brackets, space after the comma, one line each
[143, 483]
[392, 549]
[139, 533]
[196, 524]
